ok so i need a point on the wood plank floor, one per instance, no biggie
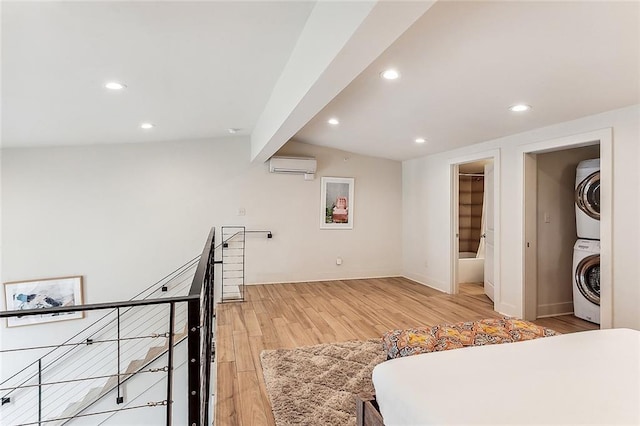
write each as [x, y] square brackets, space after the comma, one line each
[290, 315]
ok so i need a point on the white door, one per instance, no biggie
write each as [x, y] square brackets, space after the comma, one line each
[489, 231]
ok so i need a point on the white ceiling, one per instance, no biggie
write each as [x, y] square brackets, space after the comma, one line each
[196, 69]
[463, 64]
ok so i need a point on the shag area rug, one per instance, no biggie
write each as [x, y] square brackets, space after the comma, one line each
[316, 385]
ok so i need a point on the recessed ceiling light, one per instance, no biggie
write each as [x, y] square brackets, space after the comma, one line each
[520, 108]
[114, 85]
[390, 74]
[233, 130]
[147, 126]
[333, 121]
[420, 140]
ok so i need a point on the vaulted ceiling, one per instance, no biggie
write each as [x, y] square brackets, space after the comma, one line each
[463, 64]
[280, 70]
[194, 69]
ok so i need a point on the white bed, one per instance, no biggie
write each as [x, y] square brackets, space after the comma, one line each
[591, 377]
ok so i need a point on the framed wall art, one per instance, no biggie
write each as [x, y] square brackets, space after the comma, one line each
[43, 293]
[336, 203]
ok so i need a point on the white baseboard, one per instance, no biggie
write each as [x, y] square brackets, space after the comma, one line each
[327, 279]
[426, 281]
[554, 309]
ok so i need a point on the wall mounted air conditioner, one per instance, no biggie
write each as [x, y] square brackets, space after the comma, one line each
[294, 165]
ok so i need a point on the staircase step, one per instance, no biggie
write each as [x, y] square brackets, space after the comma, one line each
[154, 352]
[232, 298]
[181, 335]
[75, 407]
[134, 366]
[111, 384]
[71, 409]
[91, 395]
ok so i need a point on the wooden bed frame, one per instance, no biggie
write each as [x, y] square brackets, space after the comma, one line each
[368, 412]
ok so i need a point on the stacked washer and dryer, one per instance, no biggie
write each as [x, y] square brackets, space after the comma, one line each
[586, 252]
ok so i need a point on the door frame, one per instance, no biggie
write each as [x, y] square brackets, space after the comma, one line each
[454, 166]
[529, 207]
[530, 233]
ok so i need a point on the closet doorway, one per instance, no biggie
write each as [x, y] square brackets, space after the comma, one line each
[534, 304]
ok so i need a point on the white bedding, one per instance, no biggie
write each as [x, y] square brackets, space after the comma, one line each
[591, 377]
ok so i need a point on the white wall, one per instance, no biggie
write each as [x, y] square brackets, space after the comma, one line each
[124, 215]
[426, 211]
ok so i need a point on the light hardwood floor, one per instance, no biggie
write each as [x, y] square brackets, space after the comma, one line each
[290, 315]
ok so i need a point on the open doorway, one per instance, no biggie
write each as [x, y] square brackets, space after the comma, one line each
[554, 241]
[473, 210]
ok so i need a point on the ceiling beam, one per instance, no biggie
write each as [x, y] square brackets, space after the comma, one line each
[338, 42]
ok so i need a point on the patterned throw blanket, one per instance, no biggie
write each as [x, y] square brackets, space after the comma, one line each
[442, 337]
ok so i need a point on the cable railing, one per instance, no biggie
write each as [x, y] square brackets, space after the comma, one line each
[69, 389]
[175, 283]
[233, 261]
[124, 345]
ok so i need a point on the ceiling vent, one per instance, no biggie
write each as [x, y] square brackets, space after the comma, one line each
[294, 165]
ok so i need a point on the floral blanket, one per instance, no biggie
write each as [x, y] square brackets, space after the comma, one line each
[442, 337]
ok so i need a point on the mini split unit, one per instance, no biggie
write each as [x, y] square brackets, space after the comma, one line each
[294, 165]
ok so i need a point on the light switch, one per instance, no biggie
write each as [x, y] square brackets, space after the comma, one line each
[547, 218]
[241, 211]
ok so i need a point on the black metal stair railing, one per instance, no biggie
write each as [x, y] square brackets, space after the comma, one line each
[174, 283]
[59, 392]
[83, 355]
[233, 261]
[189, 316]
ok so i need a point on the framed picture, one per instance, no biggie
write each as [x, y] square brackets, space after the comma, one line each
[336, 203]
[44, 293]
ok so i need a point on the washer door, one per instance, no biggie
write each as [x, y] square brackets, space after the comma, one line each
[588, 195]
[588, 278]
